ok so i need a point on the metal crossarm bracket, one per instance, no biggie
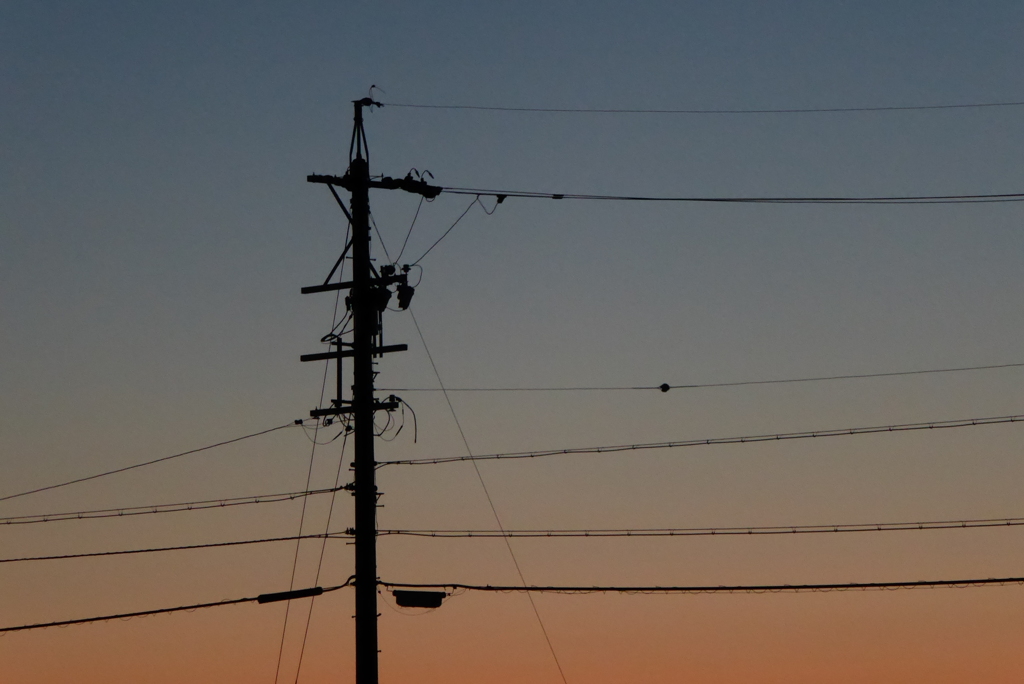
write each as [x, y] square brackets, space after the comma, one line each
[325, 356]
[409, 184]
[347, 284]
[344, 410]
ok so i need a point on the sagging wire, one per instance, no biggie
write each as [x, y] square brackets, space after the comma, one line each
[498, 199]
[476, 200]
[411, 266]
[382, 430]
[720, 589]
[324, 424]
[335, 334]
[415, 422]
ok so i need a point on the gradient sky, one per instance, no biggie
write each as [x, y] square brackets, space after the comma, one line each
[157, 226]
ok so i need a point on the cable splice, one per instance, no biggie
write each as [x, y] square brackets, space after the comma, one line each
[161, 611]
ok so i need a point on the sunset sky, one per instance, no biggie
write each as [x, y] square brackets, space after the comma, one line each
[156, 227]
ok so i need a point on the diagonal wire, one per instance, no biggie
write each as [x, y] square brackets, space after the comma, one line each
[450, 228]
[411, 226]
[152, 509]
[147, 463]
[381, 238]
[320, 563]
[490, 502]
[298, 541]
[309, 476]
[184, 547]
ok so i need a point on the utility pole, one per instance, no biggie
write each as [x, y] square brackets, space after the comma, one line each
[368, 298]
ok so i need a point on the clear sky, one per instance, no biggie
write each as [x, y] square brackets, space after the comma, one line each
[156, 226]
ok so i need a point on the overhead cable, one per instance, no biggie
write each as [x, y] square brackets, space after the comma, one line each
[148, 463]
[790, 110]
[666, 387]
[905, 199]
[483, 485]
[185, 547]
[591, 533]
[716, 589]
[312, 454]
[450, 229]
[408, 233]
[732, 589]
[262, 598]
[716, 531]
[320, 562]
[750, 439]
[160, 508]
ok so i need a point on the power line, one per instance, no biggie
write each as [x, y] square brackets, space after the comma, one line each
[811, 110]
[907, 199]
[262, 598]
[666, 387]
[718, 589]
[160, 508]
[380, 238]
[412, 225]
[186, 547]
[320, 562]
[483, 485]
[576, 533]
[312, 453]
[717, 531]
[595, 533]
[905, 427]
[762, 588]
[298, 539]
[450, 228]
[147, 463]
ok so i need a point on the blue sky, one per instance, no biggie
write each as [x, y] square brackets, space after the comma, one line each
[157, 226]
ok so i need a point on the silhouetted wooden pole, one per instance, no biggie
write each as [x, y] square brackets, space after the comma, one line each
[369, 295]
[364, 318]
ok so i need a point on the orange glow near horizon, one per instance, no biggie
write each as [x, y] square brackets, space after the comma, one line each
[157, 229]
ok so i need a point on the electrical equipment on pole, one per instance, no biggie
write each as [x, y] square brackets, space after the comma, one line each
[369, 294]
